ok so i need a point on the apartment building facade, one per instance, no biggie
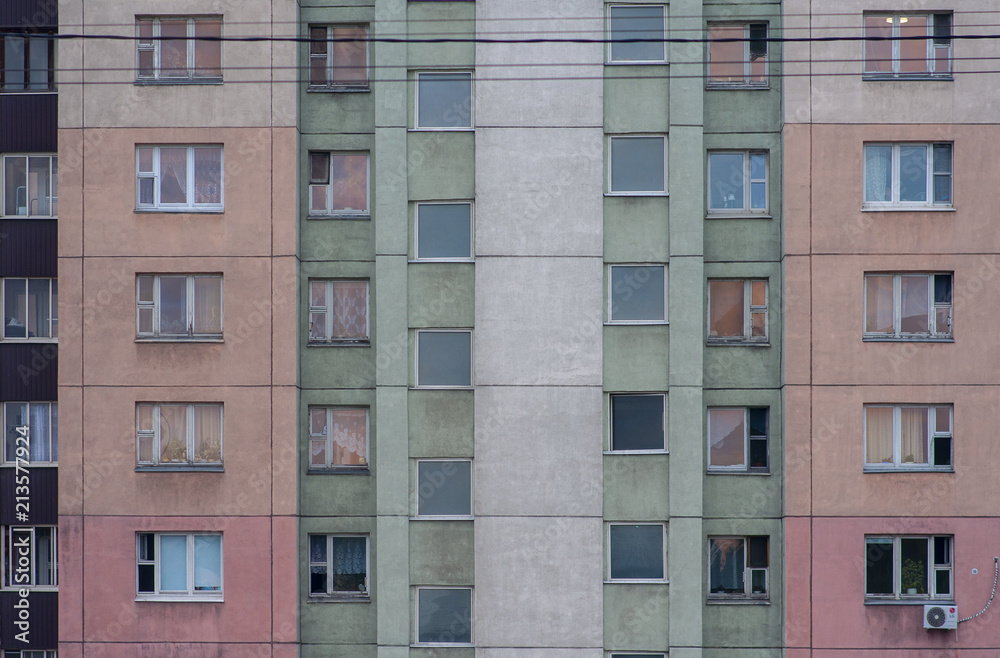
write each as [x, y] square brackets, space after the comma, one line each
[30, 330]
[891, 252]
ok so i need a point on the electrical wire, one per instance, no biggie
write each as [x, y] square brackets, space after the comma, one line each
[996, 573]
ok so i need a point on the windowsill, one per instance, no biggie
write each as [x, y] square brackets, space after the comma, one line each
[907, 339]
[457, 517]
[179, 339]
[915, 208]
[719, 86]
[174, 211]
[344, 89]
[340, 597]
[343, 470]
[632, 323]
[737, 342]
[157, 598]
[415, 261]
[737, 601]
[913, 601]
[642, 194]
[636, 452]
[33, 341]
[738, 215]
[158, 82]
[637, 581]
[423, 645]
[638, 62]
[420, 387]
[895, 77]
[340, 343]
[343, 216]
[908, 469]
[742, 473]
[438, 129]
[214, 468]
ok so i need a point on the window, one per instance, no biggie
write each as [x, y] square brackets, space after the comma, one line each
[39, 653]
[618, 654]
[179, 434]
[900, 568]
[444, 231]
[444, 358]
[27, 62]
[338, 311]
[179, 306]
[638, 294]
[638, 165]
[908, 437]
[338, 438]
[737, 567]
[179, 565]
[179, 49]
[636, 33]
[338, 184]
[737, 310]
[737, 182]
[636, 551]
[338, 57]
[444, 488]
[179, 178]
[908, 175]
[31, 432]
[338, 566]
[904, 45]
[737, 55]
[901, 306]
[444, 100]
[737, 439]
[30, 557]
[638, 422]
[29, 186]
[444, 615]
[30, 308]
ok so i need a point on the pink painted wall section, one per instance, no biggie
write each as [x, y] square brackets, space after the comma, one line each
[840, 620]
[798, 574]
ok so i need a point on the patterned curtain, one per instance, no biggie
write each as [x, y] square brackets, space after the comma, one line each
[350, 303]
[878, 435]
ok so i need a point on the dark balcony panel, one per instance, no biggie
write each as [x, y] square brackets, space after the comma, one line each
[43, 620]
[43, 498]
[28, 248]
[34, 14]
[28, 372]
[29, 122]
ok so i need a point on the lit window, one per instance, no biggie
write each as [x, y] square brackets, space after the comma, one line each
[908, 175]
[30, 309]
[179, 306]
[902, 45]
[179, 434]
[338, 438]
[338, 184]
[638, 422]
[444, 231]
[636, 33]
[908, 306]
[179, 565]
[179, 49]
[901, 568]
[638, 165]
[338, 311]
[737, 310]
[636, 551]
[338, 566]
[444, 488]
[30, 557]
[444, 615]
[737, 182]
[737, 440]
[737, 55]
[31, 433]
[444, 358]
[29, 186]
[637, 294]
[738, 567]
[338, 57]
[444, 101]
[27, 62]
[179, 178]
[908, 437]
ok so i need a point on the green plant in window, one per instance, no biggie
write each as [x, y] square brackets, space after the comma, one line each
[210, 450]
[909, 459]
[174, 451]
[913, 577]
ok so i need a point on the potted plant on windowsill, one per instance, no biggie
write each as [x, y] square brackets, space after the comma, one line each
[912, 577]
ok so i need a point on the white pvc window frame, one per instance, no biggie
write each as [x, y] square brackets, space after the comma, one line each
[190, 41]
[609, 53]
[444, 72]
[609, 549]
[933, 435]
[416, 357]
[154, 306]
[154, 436]
[416, 618]
[190, 205]
[53, 196]
[446, 259]
[612, 139]
[191, 594]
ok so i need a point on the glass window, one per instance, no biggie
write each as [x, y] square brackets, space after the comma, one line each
[338, 184]
[737, 439]
[338, 437]
[30, 557]
[638, 422]
[30, 309]
[638, 165]
[179, 565]
[338, 312]
[27, 62]
[901, 45]
[444, 100]
[444, 488]
[179, 49]
[636, 33]
[638, 294]
[738, 567]
[737, 310]
[901, 568]
[444, 615]
[179, 306]
[444, 231]
[179, 434]
[338, 57]
[904, 306]
[338, 566]
[444, 358]
[908, 175]
[31, 433]
[636, 551]
[908, 437]
[737, 182]
[179, 178]
[29, 186]
[737, 55]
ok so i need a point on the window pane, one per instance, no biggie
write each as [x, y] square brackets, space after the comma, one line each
[878, 435]
[637, 164]
[725, 170]
[878, 173]
[758, 52]
[637, 551]
[914, 305]
[757, 552]
[318, 43]
[878, 566]
[350, 58]
[913, 435]
[637, 422]
[319, 168]
[15, 415]
[942, 551]
[942, 581]
[637, 293]
[208, 305]
[913, 565]
[913, 52]
[444, 230]
[445, 615]
[912, 173]
[350, 437]
[208, 175]
[13, 60]
[445, 358]
[54, 431]
[15, 312]
[878, 304]
[726, 437]
[39, 433]
[726, 555]
[943, 419]
[725, 57]
[444, 488]
[173, 48]
[173, 563]
[173, 433]
[207, 433]
[173, 175]
[207, 562]
[39, 186]
[349, 175]
[444, 100]
[350, 304]
[208, 54]
[725, 309]
[637, 23]
[15, 185]
[350, 564]
[38, 308]
[878, 54]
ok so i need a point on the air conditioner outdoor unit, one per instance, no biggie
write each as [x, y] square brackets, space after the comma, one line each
[941, 617]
